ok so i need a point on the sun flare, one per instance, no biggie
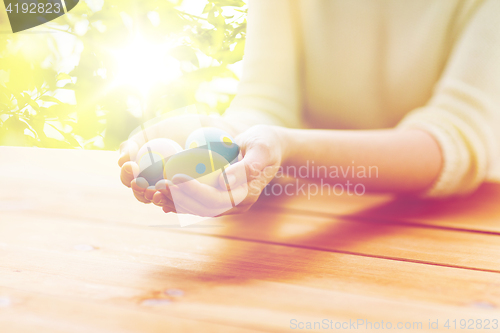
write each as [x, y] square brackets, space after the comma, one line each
[143, 64]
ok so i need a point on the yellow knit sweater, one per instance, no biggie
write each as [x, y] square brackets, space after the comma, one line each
[366, 64]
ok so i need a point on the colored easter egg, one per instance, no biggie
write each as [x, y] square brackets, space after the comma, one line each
[217, 140]
[152, 156]
[198, 163]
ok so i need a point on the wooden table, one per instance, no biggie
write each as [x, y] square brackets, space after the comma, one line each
[79, 254]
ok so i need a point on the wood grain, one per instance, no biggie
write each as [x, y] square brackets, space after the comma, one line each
[479, 211]
[79, 254]
[270, 283]
[94, 193]
[39, 312]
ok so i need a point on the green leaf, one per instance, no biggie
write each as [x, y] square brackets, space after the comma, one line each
[207, 8]
[52, 99]
[71, 140]
[216, 20]
[237, 53]
[185, 53]
[21, 100]
[63, 76]
[37, 123]
[69, 86]
[5, 96]
[100, 104]
[13, 123]
[33, 104]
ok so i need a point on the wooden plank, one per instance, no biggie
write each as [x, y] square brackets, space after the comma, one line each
[243, 284]
[83, 175]
[39, 312]
[479, 211]
[51, 207]
[223, 263]
[67, 314]
[380, 239]
[93, 192]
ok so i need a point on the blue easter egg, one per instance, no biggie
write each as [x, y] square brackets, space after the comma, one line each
[217, 140]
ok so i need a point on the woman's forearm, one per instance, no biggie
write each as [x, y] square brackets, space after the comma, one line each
[383, 160]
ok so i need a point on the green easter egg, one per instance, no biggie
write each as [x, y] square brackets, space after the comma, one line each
[217, 140]
[198, 163]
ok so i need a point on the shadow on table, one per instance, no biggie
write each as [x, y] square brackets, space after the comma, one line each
[479, 211]
[276, 244]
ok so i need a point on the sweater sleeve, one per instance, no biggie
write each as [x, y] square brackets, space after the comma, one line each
[268, 92]
[463, 114]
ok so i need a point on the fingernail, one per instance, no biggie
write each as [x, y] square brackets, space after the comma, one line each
[161, 185]
[142, 183]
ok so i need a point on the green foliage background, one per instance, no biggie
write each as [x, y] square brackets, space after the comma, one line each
[31, 62]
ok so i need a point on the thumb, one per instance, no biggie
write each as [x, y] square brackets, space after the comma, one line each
[256, 157]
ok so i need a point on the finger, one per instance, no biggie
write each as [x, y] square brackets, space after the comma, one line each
[128, 152]
[239, 173]
[138, 191]
[203, 202]
[168, 209]
[140, 196]
[129, 172]
[186, 204]
[203, 193]
[170, 206]
[214, 198]
[256, 156]
[160, 200]
[149, 193]
[139, 185]
[162, 187]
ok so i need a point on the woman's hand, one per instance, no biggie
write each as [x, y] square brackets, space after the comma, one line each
[177, 129]
[262, 148]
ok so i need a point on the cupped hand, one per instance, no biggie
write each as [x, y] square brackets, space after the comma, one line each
[262, 150]
[175, 128]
